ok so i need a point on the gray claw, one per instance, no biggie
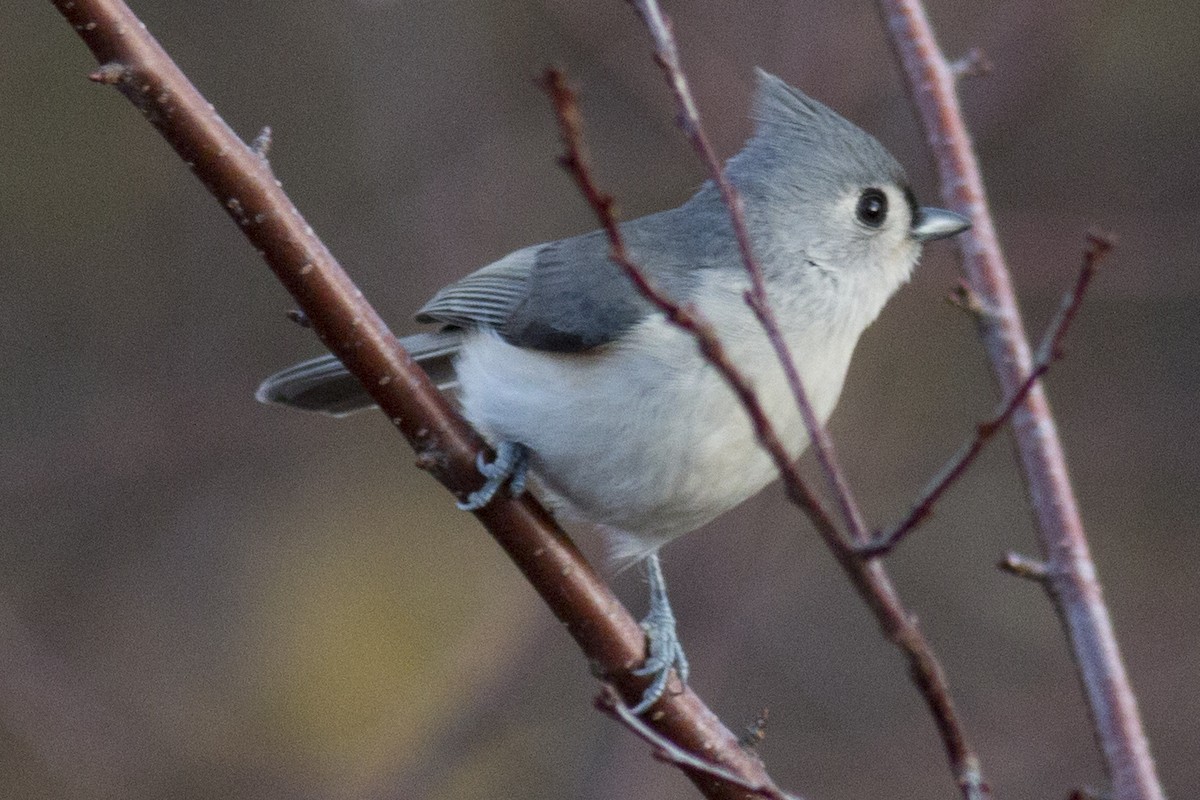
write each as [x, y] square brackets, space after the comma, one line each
[511, 466]
[665, 651]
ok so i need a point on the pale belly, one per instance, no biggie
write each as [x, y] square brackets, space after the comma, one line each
[645, 438]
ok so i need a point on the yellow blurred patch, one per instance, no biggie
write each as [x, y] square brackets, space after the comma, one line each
[383, 608]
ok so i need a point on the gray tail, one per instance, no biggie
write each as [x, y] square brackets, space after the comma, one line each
[324, 385]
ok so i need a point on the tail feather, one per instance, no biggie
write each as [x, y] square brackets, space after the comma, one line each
[324, 384]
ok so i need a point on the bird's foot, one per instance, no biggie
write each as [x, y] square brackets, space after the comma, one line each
[665, 652]
[511, 466]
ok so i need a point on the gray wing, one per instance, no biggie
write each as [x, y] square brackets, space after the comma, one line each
[568, 296]
[565, 296]
[485, 297]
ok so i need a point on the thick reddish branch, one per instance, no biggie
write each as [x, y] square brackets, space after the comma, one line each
[240, 178]
[1072, 576]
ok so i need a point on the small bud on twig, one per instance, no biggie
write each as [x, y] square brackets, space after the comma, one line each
[756, 732]
[963, 297]
[1025, 567]
[610, 702]
[972, 65]
[109, 74]
[262, 143]
[299, 317]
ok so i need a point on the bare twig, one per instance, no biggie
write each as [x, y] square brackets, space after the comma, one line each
[1078, 595]
[972, 65]
[756, 732]
[868, 577]
[299, 317]
[666, 53]
[262, 143]
[686, 317]
[1050, 350]
[243, 184]
[1024, 567]
[964, 299]
[665, 750]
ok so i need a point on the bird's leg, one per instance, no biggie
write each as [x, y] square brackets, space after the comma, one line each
[511, 466]
[665, 650]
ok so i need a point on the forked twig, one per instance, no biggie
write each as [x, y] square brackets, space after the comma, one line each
[1050, 350]
[610, 702]
[868, 577]
[686, 317]
[666, 53]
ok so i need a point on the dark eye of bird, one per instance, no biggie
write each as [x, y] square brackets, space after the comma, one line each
[872, 207]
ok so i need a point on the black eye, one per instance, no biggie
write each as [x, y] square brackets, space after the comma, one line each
[872, 208]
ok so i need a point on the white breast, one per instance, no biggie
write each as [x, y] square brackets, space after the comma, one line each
[643, 436]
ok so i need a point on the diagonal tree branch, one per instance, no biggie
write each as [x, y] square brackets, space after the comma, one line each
[240, 178]
[1075, 587]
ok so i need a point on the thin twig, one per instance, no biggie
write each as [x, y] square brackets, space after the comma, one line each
[867, 576]
[1025, 567]
[972, 65]
[665, 750]
[666, 53]
[262, 143]
[1078, 595]
[242, 182]
[756, 731]
[686, 317]
[1050, 350]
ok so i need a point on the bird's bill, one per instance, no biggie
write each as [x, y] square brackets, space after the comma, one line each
[937, 223]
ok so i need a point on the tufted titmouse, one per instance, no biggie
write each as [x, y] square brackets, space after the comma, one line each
[568, 370]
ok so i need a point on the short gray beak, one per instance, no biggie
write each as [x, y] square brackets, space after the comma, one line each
[937, 223]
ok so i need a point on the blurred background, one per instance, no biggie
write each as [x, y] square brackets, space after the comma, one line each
[203, 597]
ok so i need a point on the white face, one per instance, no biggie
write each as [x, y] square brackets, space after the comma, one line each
[869, 228]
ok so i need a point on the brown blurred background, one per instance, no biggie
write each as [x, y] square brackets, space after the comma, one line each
[202, 597]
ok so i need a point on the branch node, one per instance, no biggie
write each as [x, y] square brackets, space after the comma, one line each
[610, 702]
[972, 65]
[1100, 242]
[262, 143]
[756, 732]
[1025, 567]
[1089, 794]
[298, 316]
[110, 74]
[964, 298]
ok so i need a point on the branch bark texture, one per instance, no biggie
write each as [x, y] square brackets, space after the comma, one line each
[241, 180]
[1072, 580]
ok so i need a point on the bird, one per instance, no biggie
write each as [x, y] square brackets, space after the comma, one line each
[586, 388]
